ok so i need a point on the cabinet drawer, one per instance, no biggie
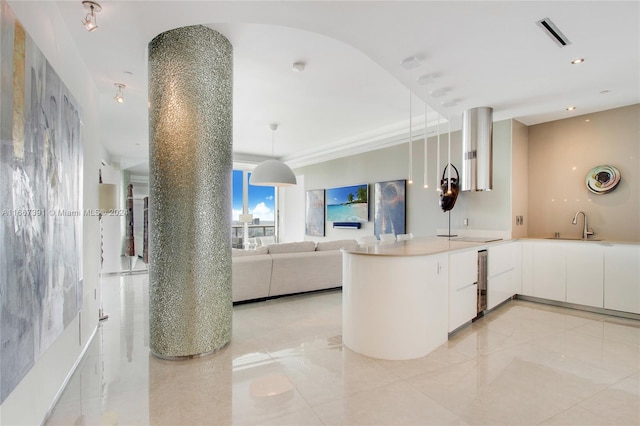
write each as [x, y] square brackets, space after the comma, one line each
[500, 288]
[463, 269]
[462, 306]
[501, 259]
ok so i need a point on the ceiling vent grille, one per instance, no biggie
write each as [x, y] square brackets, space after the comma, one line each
[553, 32]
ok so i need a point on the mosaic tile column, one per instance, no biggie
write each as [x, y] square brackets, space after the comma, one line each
[190, 160]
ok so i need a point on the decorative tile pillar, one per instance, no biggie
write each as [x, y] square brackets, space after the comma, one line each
[190, 160]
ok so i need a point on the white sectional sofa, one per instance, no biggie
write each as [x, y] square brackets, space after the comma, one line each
[287, 268]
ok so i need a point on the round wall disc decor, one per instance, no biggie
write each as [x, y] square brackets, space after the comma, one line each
[602, 179]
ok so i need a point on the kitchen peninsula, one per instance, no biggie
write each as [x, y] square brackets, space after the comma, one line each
[401, 300]
[396, 296]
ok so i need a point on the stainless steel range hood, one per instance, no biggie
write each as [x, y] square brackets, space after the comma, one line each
[477, 149]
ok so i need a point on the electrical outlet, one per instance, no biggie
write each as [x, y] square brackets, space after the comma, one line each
[465, 222]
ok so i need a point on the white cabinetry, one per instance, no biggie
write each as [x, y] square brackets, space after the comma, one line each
[527, 268]
[549, 271]
[501, 283]
[622, 278]
[463, 288]
[585, 274]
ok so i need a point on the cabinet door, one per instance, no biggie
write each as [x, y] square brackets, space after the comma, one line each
[463, 290]
[500, 288]
[501, 259]
[622, 278]
[463, 305]
[549, 271]
[585, 274]
[501, 272]
[464, 269]
[527, 268]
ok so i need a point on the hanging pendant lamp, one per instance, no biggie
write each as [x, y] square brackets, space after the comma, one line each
[272, 172]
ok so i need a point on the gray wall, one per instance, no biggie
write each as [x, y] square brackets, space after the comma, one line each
[485, 210]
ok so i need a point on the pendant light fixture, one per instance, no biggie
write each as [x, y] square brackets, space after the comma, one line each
[426, 156]
[272, 172]
[410, 180]
[438, 155]
[449, 159]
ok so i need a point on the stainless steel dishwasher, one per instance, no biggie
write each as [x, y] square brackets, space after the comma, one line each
[482, 281]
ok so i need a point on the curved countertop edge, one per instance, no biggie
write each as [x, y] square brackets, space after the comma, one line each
[424, 246]
[420, 246]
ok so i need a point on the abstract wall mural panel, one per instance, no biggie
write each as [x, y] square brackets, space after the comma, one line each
[390, 207]
[314, 217]
[40, 204]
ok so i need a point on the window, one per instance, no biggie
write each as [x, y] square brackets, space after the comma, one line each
[236, 203]
[259, 201]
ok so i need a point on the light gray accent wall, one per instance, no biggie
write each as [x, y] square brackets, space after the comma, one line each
[485, 210]
[490, 210]
[190, 156]
[562, 152]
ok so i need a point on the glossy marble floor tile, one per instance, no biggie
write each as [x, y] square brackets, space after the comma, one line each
[523, 363]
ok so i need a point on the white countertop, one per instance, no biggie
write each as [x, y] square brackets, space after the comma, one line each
[421, 246]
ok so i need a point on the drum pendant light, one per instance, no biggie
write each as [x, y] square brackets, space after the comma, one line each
[272, 172]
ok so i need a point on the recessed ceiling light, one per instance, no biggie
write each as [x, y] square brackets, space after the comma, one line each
[448, 104]
[425, 79]
[410, 62]
[577, 61]
[571, 108]
[298, 66]
[438, 93]
[605, 91]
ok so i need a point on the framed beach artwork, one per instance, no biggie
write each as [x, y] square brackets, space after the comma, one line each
[348, 204]
[314, 213]
[390, 207]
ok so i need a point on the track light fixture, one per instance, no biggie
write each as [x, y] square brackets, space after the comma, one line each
[119, 97]
[89, 21]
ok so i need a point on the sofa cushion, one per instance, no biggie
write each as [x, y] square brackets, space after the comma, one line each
[241, 252]
[300, 272]
[251, 277]
[336, 245]
[297, 247]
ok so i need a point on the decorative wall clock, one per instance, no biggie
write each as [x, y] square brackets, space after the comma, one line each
[602, 179]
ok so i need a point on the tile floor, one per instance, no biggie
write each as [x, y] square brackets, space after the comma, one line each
[521, 364]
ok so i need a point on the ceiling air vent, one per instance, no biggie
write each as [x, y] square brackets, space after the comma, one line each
[552, 31]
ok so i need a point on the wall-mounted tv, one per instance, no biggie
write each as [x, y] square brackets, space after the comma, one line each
[348, 203]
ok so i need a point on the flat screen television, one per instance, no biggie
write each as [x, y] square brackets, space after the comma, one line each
[348, 203]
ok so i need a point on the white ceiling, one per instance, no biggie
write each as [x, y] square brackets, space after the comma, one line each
[354, 92]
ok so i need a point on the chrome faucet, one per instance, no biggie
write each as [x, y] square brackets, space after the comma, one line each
[585, 230]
